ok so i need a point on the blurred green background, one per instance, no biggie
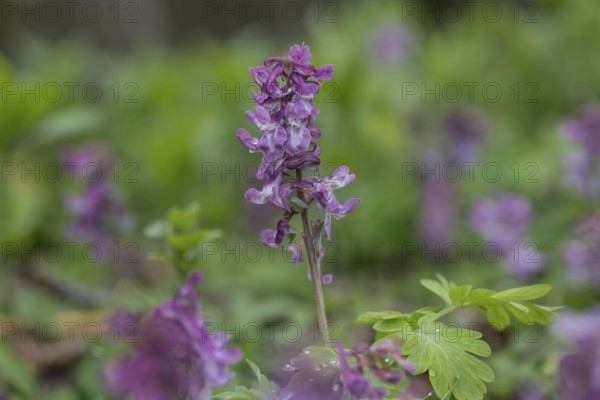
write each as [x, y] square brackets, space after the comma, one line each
[174, 88]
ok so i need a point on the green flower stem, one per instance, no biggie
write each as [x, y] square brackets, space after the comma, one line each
[314, 270]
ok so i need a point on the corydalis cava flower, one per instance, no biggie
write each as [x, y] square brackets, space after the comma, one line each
[376, 361]
[176, 355]
[462, 133]
[583, 163]
[579, 367]
[285, 114]
[502, 222]
[438, 199]
[465, 132]
[582, 252]
[322, 373]
[390, 44]
[97, 212]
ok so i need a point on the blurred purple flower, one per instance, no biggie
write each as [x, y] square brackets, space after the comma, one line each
[391, 44]
[285, 114]
[523, 261]
[579, 367]
[583, 163]
[463, 132]
[582, 252]
[175, 356]
[437, 211]
[466, 131]
[585, 131]
[98, 214]
[580, 328]
[503, 222]
[530, 392]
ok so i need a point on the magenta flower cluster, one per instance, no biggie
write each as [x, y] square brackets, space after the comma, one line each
[176, 356]
[285, 115]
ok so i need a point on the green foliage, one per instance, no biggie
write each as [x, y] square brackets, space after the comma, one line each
[448, 353]
[15, 373]
[265, 390]
[498, 306]
[184, 236]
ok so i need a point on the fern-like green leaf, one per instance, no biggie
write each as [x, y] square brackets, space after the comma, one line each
[497, 306]
[448, 354]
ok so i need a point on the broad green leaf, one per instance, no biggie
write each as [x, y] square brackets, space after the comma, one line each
[498, 307]
[448, 354]
[466, 296]
[535, 314]
[459, 294]
[428, 318]
[390, 321]
[524, 293]
[437, 288]
[519, 306]
[424, 310]
[266, 389]
[371, 317]
[391, 325]
[498, 317]
[255, 369]
[447, 284]
[476, 296]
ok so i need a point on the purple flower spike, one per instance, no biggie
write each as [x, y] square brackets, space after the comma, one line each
[176, 355]
[285, 114]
